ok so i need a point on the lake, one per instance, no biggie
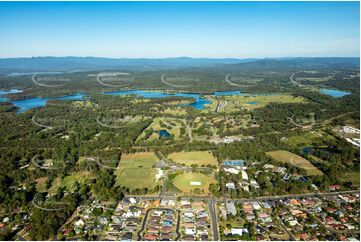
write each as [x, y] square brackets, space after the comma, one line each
[197, 104]
[26, 104]
[334, 92]
[3, 93]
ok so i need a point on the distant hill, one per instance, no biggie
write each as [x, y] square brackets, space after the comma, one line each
[58, 64]
[96, 63]
[294, 64]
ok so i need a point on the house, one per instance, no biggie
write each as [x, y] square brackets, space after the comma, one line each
[254, 184]
[244, 175]
[231, 208]
[334, 187]
[256, 206]
[189, 231]
[293, 222]
[231, 170]
[132, 200]
[188, 214]
[268, 167]
[150, 237]
[67, 231]
[185, 202]
[79, 223]
[238, 231]
[281, 170]
[230, 185]
[244, 185]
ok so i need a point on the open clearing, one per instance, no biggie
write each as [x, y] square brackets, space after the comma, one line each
[295, 160]
[136, 171]
[351, 176]
[193, 158]
[172, 125]
[311, 138]
[41, 184]
[251, 101]
[183, 182]
[68, 182]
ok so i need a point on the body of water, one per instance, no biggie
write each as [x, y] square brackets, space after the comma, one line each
[334, 92]
[164, 134]
[227, 93]
[252, 102]
[26, 104]
[197, 104]
[11, 91]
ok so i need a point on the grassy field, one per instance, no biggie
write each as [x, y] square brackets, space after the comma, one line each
[193, 157]
[235, 103]
[173, 127]
[295, 160]
[353, 177]
[311, 138]
[136, 171]
[40, 184]
[68, 181]
[183, 182]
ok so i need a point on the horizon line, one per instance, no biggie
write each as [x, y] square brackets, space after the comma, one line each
[175, 57]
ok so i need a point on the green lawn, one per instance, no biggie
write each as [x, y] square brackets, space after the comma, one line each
[353, 177]
[183, 182]
[174, 126]
[193, 158]
[68, 181]
[252, 101]
[309, 138]
[136, 171]
[295, 160]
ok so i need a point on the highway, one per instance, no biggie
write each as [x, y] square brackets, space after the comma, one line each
[293, 81]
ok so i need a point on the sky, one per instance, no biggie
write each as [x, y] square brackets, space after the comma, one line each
[174, 29]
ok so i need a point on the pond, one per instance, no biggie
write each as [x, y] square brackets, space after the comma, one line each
[164, 134]
[334, 92]
[253, 102]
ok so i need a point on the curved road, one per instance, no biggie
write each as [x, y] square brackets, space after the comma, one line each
[139, 234]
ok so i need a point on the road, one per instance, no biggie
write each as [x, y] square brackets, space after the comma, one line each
[145, 197]
[214, 218]
[189, 130]
[327, 121]
[139, 234]
[294, 82]
[213, 212]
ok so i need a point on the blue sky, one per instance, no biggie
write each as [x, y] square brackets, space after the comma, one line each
[170, 29]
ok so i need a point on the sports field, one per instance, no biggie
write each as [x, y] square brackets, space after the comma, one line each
[136, 171]
[188, 182]
[193, 158]
[295, 160]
